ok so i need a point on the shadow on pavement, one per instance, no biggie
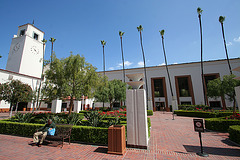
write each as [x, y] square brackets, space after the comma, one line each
[101, 150]
[214, 150]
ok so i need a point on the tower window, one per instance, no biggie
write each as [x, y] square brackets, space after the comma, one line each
[22, 32]
[35, 36]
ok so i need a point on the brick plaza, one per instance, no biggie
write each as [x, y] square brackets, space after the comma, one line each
[170, 139]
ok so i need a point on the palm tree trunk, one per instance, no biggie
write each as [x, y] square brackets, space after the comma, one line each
[51, 55]
[169, 79]
[123, 66]
[123, 62]
[144, 67]
[230, 69]
[203, 81]
[71, 105]
[104, 70]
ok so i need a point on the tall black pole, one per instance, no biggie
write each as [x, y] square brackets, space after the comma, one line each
[203, 80]
[145, 71]
[169, 79]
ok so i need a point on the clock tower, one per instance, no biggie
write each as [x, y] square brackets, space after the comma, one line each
[26, 51]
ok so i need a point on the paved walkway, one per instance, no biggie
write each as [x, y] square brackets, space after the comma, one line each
[170, 139]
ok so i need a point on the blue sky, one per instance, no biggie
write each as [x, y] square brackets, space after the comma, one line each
[80, 25]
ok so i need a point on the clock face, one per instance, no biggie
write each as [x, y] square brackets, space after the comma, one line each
[16, 48]
[34, 50]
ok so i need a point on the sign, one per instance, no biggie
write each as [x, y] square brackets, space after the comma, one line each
[198, 125]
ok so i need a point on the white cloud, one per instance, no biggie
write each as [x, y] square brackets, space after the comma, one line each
[175, 63]
[237, 39]
[229, 44]
[162, 64]
[140, 64]
[126, 63]
[111, 68]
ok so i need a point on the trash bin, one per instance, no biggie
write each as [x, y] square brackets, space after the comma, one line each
[116, 139]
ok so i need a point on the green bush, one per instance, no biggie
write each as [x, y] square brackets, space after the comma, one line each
[200, 114]
[16, 128]
[79, 133]
[220, 124]
[149, 126]
[234, 133]
[149, 112]
[224, 114]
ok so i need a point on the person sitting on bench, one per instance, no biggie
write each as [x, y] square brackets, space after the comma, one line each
[43, 131]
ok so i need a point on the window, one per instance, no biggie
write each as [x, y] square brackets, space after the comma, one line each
[35, 36]
[183, 87]
[186, 103]
[158, 88]
[22, 32]
[209, 78]
[215, 104]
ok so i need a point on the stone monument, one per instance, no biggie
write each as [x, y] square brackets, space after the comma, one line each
[137, 127]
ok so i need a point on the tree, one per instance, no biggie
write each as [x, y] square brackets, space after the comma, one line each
[165, 57]
[199, 11]
[103, 44]
[140, 28]
[52, 40]
[218, 87]
[14, 92]
[0, 56]
[121, 34]
[42, 77]
[71, 77]
[115, 91]
[221, 20]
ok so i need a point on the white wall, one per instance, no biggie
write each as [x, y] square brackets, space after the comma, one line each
[31, 81]
[193, 69]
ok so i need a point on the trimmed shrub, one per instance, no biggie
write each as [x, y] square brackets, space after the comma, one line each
[149, 126]
[200, 114]
[220, 124]
[90, 134]
[234, 133]
[149, 112]
[79, 133]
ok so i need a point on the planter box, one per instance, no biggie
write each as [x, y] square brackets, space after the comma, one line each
[116, 139]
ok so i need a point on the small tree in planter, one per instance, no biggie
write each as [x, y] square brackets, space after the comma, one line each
[14, 92]
[218, 87]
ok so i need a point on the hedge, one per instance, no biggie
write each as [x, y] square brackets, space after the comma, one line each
[200, 114]
[220, 124]
[149, 112]
[79, 133]
[234, 133]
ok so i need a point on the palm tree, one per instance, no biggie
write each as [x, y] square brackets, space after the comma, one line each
[103, 44]
[199, 11]
[221, 20]
[169, 79]
[52, 40]
[42, 78]
[140, 28]
[121, 34]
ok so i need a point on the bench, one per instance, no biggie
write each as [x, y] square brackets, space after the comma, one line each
[63, 131]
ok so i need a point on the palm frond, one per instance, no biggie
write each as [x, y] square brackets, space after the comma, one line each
[121, 33]
[221, 19]
[199, 10]
[140, 28]
[103, 42]
[162, 32]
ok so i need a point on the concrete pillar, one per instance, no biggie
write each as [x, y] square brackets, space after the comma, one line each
[237, 91]
[174, 103]
[56, 106]
[77, 106]
[137, 127]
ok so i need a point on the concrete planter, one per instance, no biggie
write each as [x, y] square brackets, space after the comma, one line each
[116, 139]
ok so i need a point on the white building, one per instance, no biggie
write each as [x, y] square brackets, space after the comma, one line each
[186, 82]
[25, 64]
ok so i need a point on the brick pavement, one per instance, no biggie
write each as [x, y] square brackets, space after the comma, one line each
[170, 139]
